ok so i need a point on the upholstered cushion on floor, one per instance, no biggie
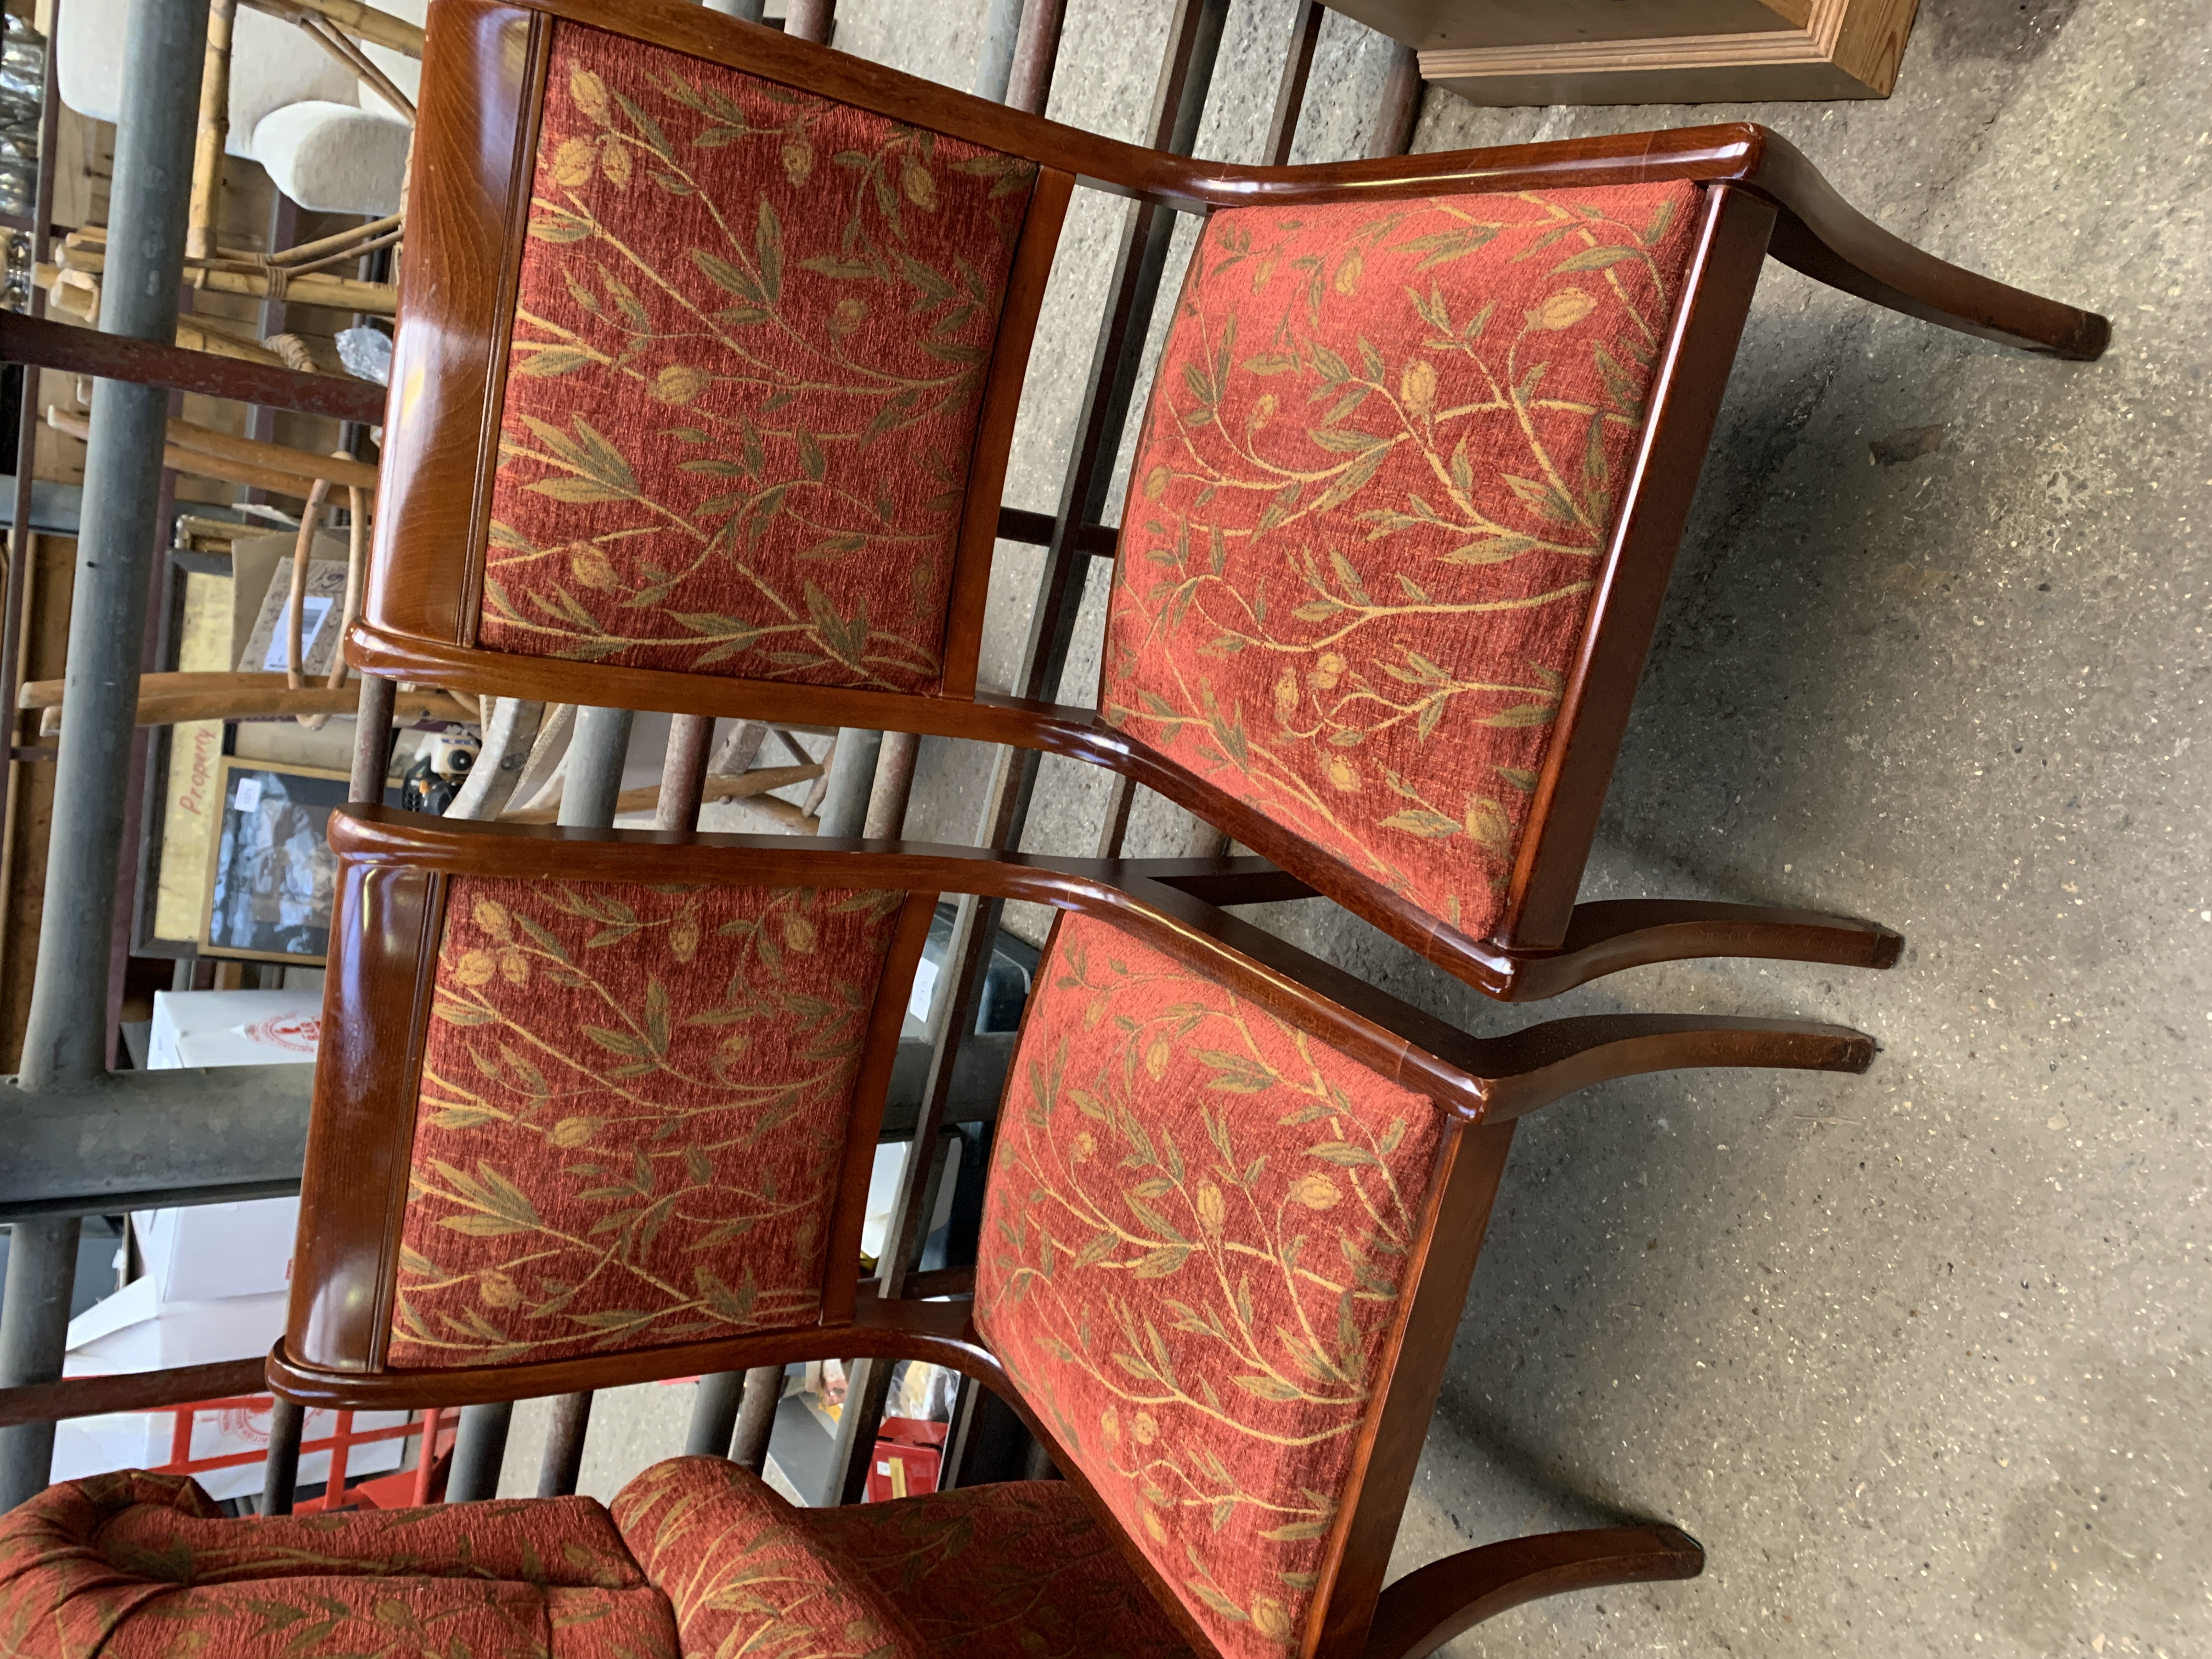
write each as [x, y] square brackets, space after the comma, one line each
[1385, 448]
[634, 1106]
[133, 1564]
[1021, 1569]
[1192, 1246]
[748, 358]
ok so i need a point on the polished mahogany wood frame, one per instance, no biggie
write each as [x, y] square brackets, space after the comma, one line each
[485, 65]
[394, 868]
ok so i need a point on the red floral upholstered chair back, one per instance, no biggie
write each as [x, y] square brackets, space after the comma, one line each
[1372, 503]
[1204, 1244]
[576, 1120]
[737, 353]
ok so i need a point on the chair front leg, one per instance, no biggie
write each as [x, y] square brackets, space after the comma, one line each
[1606, 937]
[1540, 1064]
[1426, 1608]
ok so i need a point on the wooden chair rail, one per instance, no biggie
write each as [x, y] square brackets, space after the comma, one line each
[1826, 238]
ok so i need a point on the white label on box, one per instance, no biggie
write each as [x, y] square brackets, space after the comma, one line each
[247, 797]
[925, 983]
[315, 607]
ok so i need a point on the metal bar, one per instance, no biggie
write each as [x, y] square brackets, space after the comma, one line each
[426, 1454]
[564, 1446]
[1290, 90]
[1019, 524]
[65, 1037]
[811, 20]
[1036, 52]
[142, 363]
[479, 1450]
[131, 1391]
[593, 779]
[757, 1418]
[280, 1478]
[887, 802]
[141, 1140]
[371, 739]
[34, 1327]
[684, 772]
[844, 809]
[713, 1414]
[1399, 109]
[748, 11]
[995, 57]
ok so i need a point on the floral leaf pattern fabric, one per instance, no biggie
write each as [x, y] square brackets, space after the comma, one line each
[748, 356]
[1192, 1245]
[632, 1116]
[1014, 1570]
[1385, 450]
[745, 1572]
[136, 1565]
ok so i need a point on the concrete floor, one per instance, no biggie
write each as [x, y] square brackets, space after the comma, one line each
[1919, 1355]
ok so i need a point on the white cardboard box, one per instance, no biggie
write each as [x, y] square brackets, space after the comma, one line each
[234, 1027]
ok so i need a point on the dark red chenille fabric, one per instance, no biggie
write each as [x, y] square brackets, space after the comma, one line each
[134, 1565]
[749, 350]
[1194, 1237]
[633, 1116]
[1386, 448]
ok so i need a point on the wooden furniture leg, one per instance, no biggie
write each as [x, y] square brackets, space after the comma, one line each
[1427, 1607]
[1611, 935]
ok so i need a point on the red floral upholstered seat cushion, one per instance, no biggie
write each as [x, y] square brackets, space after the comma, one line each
[1017, 1570]
[1386, 448]
[142, 1566]
[745, 1573]
[633, 1105]
[749, 350]
[1192, 1246]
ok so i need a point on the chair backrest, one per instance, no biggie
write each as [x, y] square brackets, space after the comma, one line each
[567, 1112]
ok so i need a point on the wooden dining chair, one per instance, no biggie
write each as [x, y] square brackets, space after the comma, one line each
[598, 1106]
[710, 347]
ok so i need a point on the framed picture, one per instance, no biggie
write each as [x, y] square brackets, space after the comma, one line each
[270, 871]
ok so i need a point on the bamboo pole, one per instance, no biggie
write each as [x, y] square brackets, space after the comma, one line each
[742, 787]
[326, 36]
[339, 468]
[95, 237]
[331, 293]
[379, 29]
[357, 501]
[172, 699]
[199, 463]
[201, 216]
[303, 549]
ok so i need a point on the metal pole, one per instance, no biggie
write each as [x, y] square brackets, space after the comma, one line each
[596, 754]
[745, 11]
[280, 1476]
[479, 1450]
[713, 1414]
[65, 1039]
[852, 779]
[41, 1271]
[563, 1459]
[995, 58]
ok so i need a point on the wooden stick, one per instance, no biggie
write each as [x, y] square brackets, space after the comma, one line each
[742, 787]
[358, 251]
[339, 468]
[356, 555]
[331, 293]
[214, 132]
[172, 699]
[95, 236]
[303, 547]
[379, 29]
[198, 462]
[326, 36]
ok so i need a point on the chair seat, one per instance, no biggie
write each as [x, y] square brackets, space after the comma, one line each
[699, 1557]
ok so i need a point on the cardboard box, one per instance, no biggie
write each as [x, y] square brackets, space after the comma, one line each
[234, 1027]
